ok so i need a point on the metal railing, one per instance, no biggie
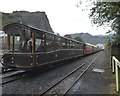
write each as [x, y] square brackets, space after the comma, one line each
[116, 70]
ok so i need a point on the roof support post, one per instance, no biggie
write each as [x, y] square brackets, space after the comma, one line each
[8, 42]
[13, 49]
[33, 42]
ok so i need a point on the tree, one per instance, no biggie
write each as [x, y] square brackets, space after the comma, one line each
[78, 39]
[107, 13]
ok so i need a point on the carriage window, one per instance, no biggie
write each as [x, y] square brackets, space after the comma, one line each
[71, 45]
[77, 45]
[3, 42]
[81, 46]
[16, 42]
[24, 42]
[40, 43]
[68, 44]
[49, 42]
[11, 43]
[57, 43]
[37, 43]
[19, 41]
[65, 43]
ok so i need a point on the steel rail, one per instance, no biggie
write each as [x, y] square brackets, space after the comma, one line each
[80, 76]
[12, 77]
[43, 93]
[8, 70]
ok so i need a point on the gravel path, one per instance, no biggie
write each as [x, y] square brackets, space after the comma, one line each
[98, 79]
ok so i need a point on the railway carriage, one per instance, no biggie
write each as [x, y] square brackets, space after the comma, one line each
[28, 47]
[88, 49]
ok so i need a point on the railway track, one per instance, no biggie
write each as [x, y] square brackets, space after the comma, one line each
[69, 80]
[11, 75]
[6, 71]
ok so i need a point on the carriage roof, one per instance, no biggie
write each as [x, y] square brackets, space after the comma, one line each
[17, 28]
[90, 44]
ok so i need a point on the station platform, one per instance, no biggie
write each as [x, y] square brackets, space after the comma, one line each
[99, 79]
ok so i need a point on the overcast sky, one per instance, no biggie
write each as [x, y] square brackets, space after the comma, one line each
[63, 15]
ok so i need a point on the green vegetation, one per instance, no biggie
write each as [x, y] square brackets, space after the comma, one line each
[107, 44]
[108, 14]
[78, 39]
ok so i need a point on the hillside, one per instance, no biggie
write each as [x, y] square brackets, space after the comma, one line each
[35, 19]
[88, 38]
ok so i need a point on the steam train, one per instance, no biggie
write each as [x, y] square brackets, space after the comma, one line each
[28, 47]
